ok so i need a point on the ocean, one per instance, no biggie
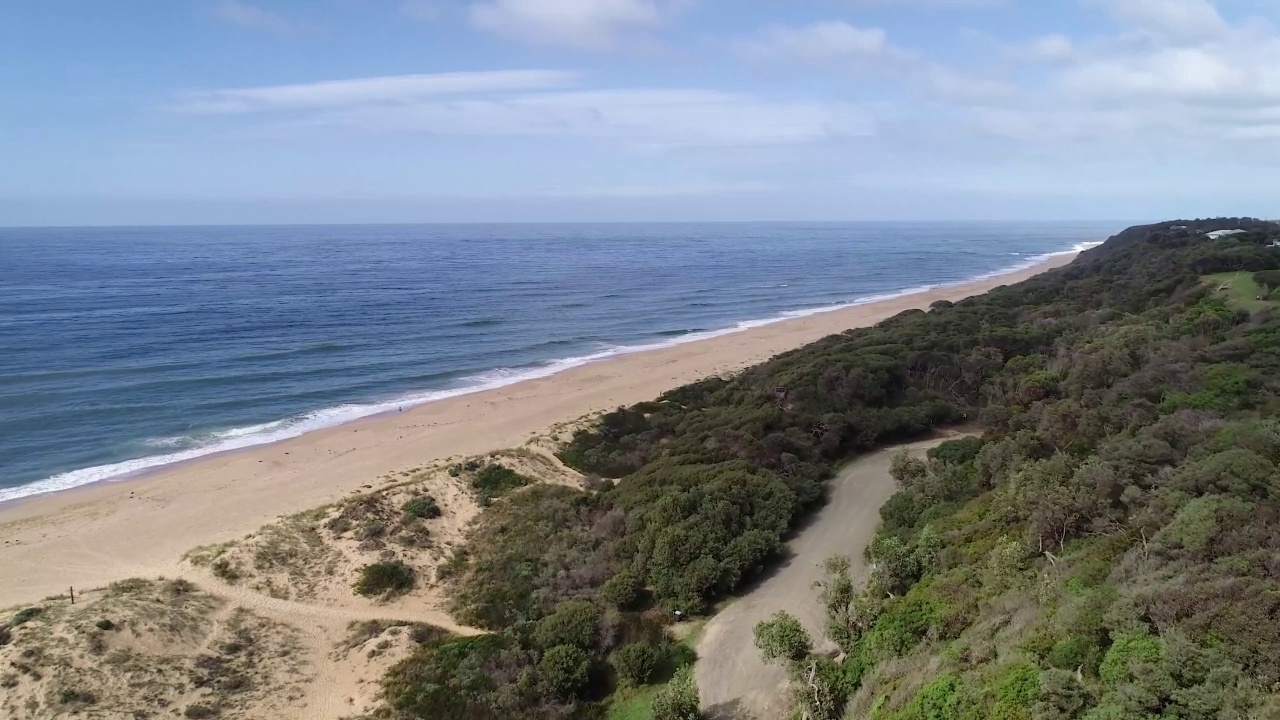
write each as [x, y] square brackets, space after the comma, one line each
[124, 349]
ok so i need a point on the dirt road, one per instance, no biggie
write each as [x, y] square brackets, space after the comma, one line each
[733, 680]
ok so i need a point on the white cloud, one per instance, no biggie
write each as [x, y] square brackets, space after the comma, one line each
[421, 9]
[582, 24]
[1047, 48]
[1191, 74]
[1167, 18]
[932, 3]
[250, 16]
[1173, 77]
[952, 85]
[819, 42]
[647, 119]
[534, 103]
[395, 89]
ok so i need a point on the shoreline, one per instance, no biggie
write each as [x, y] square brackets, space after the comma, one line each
[142, 524]
[248, 437]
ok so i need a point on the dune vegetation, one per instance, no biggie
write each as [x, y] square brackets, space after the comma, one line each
[1101, 541]
[1105, 550]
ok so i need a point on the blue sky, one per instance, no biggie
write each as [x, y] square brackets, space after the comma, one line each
[246, 111]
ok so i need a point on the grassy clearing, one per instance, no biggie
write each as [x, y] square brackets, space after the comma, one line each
[632, 703]
[1240, 289]
[636, 703]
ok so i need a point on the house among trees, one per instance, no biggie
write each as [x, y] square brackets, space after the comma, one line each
[1223, 233]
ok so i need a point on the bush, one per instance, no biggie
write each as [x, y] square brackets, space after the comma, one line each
[460, 678]
[623, 590]
[901, 512]
[1062, 696]
[564, 671]
[74, 696]
[1127, 650]
[1269, 279]
[26, 615]
[1017, 691]
[423, 506]
[422, 633]
[942, 699]
[636, 663]
[6, 635]
[105, 624]
[783, 638]
[495, 481]
[573, 623]
[385, 578]
[957, 452]
[679, 699]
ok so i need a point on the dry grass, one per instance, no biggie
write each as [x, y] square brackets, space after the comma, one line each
[317, 555]
[143, 649]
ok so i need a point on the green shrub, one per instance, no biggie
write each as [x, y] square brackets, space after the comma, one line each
[901, 625]
[678, 700]
[1269, 279]
[385, 578]
[901, 512]
[460, 679]
[574, 623]
[1126, 650]
[564, 671]
[942, 699]
[1074, 652]
[783, 638]
[26, 615]
[623, 590]
[1017, 690]
[636, 663]
[422, 506]
[494, 481]
[957, 452]
[1062, 696]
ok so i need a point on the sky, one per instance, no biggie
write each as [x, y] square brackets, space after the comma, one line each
[283, 111]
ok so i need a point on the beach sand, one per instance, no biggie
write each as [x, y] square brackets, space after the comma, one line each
[90, 536]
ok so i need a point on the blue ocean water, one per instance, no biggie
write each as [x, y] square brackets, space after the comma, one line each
[123, 349]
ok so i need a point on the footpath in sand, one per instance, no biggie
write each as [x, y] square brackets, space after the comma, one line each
[735, 683]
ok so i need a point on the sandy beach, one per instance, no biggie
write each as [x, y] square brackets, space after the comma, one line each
[142, 526]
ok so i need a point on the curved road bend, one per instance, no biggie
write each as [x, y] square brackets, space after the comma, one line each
[734, 682]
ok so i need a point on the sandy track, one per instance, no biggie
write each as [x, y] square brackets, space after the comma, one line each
[733, 680]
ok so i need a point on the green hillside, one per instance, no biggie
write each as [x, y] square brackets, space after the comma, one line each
[1108, 550]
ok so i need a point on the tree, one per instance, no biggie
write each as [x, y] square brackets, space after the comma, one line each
[573, 623]
[636, 662]
[894, 567]
[1062, 696]
[623, 590]
[838, 597]
[679, 699]
[564, 671]
[783, 638]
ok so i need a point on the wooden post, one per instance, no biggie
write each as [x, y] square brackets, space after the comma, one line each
[73, 595]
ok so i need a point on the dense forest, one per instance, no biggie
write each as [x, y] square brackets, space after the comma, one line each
[1107, 549]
